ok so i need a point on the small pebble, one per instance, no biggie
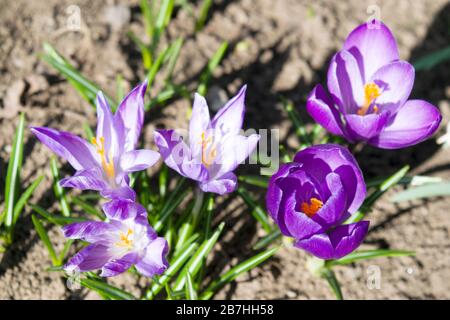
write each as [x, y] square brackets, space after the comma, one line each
[117, 16]
[291, 294]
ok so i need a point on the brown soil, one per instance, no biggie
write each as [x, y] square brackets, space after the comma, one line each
[278, 47]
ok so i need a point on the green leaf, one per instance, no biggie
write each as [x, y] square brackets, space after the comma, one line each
[186, 6]
[162, 20]
[235, 271]
[25, 197]
[414, 180]
[13, 173]
[372, 198]
[120, 90]
[433, 59]
[89, 196]
[87, 89]
[193, 215]
[212, 65]
[156, 66]
[425, 191]
[299, 126]
[267, 240]
[394, 179]
[191, 293]
[144, 192]
[257, 212]
[172, 56]
[169, 292]
[45, 239]
[258, 181]
[285, 156]
[175, 266]
[87, 208]
[171, 204]
[209, 216]
[65, 250]
[164, 14]
[329, 275]
[170, 233]
[162, 97]
[206, 235]
[89, 134]
[316, 132]
[55, 219]
[58, 190]
[195, 263]
[184, 232]
[204, 9]
[193, 238]
[163, 174]
[55, 269]
[147, 12]
[147, 57]
[369, 254]
[106, 290]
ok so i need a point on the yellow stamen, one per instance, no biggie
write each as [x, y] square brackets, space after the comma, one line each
[125, 241]
[207, 156]
[107, 165]
[312, 207]
[371, 92]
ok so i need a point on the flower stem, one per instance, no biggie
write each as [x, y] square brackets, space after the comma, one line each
[357, 148]
[207, 232]
[198, 204]
[209, 216]
[329, 275]
[189, 226]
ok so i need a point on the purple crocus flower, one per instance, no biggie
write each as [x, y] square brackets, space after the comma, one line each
[125, 240]
[104, 164]
[311, 197]
[369, 88]
[215, 147]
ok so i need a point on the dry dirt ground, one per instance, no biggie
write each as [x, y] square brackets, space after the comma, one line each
[277, 47]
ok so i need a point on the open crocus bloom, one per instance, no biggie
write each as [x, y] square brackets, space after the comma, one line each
[311, 197]
[369, 88]
[215, 147]
[125, 240]
[104, 164]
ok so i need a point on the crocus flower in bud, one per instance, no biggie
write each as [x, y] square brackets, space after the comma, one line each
[104, 164]
[114, 246]
[215, 147]
[311, 197]
[369, 88]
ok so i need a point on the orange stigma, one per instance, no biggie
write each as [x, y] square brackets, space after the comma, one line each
[207, 156]
[107, 165]
[312, 207]
[371, 92]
